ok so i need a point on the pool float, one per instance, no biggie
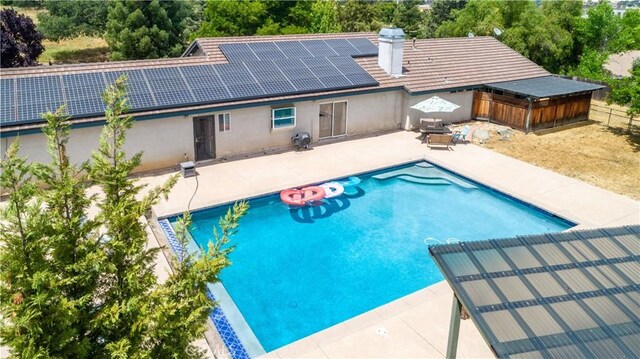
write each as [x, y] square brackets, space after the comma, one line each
[332, 189]
[301, 197]
[349, 182]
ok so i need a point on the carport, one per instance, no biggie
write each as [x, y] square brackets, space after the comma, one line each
[536, 103]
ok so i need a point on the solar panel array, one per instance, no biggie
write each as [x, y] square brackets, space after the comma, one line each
[260, 51]
[255, 70]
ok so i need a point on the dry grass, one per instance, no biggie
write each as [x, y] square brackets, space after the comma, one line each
[79, 50]
[607, 157]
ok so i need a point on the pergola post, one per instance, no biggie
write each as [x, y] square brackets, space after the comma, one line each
[526, 126]
[454, 329]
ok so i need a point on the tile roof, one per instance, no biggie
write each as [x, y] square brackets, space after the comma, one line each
[430, 65]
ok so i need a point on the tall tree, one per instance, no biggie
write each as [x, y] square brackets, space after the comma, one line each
[233, 18]
[77, 285]
[65, 19]
[146, 29]
[628, 38]
[357, 16]
[20, 41]
[626, 91]
[478, 17]
[534, 36]
[407, 16]
[324, 17]
[599, 27]
[441, 11]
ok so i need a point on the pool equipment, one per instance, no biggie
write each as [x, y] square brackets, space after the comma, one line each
[302, 197]
[332, 189]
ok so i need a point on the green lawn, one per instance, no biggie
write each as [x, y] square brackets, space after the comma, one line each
[79, 50]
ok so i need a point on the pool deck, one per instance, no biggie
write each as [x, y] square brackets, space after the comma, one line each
[415, 325]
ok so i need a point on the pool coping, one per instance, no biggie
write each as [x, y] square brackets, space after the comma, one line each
[247, 345]
[568, 198]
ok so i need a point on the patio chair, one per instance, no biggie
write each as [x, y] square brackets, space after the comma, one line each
[431, 125]
[438, 139]
[462, 134]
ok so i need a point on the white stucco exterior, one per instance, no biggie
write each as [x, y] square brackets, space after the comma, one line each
[168, 141]
[411, 118]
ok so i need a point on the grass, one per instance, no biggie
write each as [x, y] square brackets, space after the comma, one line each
[78, 50]
[605, 156]
[71, 51]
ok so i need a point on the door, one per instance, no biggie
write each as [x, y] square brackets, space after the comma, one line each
[333, 119]
[326, 120]
[340, 118]
[203, 138]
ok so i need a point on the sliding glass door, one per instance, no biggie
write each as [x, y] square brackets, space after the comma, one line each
[333, 119]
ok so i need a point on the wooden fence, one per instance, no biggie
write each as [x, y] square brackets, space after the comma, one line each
[544, 114]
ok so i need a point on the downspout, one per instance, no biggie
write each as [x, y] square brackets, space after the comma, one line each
[526, 126]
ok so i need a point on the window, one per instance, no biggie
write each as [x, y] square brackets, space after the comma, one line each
[224, 122]
[283, 117]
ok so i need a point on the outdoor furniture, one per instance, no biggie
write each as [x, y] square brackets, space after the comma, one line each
[462, 134]
[431, 125]
[437, 139]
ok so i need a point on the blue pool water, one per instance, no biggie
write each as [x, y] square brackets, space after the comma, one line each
[298, 271]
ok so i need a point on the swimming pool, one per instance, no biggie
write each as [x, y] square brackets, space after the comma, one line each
[298, 271]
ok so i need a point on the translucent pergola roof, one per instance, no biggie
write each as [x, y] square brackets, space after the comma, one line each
[559, 295]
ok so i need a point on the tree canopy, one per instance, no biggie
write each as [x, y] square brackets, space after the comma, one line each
[21, 42]
[79, 285]
[66, 19]
[147, 29]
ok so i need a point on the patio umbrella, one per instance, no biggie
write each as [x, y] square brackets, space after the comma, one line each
[435, 104]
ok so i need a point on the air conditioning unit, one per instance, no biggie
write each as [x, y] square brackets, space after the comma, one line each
[301, 140]
[188, 169]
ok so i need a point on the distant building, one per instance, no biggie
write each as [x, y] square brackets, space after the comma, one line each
[620, 64]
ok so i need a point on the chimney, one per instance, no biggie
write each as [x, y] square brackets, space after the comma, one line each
[390, 47]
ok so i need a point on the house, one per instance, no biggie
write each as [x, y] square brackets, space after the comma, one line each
[245, 95]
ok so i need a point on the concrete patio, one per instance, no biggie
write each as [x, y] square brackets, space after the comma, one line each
[415, 325]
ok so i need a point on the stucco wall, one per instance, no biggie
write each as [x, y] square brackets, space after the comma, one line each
[411, 117]
[165, 142]
[251, 127]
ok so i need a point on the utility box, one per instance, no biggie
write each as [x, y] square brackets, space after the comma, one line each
[188, 169]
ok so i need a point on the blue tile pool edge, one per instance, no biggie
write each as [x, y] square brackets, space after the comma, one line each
[235, 347]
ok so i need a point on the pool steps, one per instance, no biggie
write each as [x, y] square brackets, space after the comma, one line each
[424, 173]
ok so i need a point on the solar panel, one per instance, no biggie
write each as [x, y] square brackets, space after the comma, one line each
[138, 92]
[293, 49]
[168, 86]
[234, 74]
[238, 52]
[239, 81]
[298, 73]
[272, 80]
[37, 95]
[8, 100]
[266, 51]
[318, 48]
[342, 47]
[327, 73]
[351, 70]
[364, 46]
[205, 83]
[83, 93]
